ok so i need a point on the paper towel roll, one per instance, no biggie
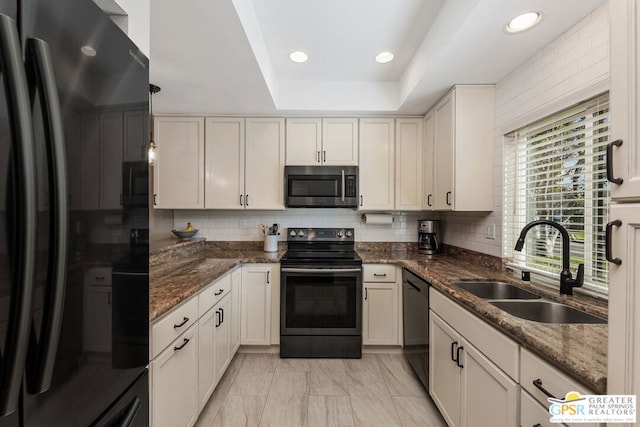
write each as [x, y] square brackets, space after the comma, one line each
[377, 219]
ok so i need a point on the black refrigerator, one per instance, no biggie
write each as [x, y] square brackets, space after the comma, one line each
[74, 97]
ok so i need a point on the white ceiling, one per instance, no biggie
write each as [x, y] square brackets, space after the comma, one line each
[231, 56]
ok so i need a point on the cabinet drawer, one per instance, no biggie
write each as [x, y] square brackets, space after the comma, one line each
[98, 276]
[213, 293]
[167, 329]
[551, 379]
[499, 348]
[378, 273]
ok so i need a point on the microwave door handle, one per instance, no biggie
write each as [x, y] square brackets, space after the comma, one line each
[131, 182]
[342, 185]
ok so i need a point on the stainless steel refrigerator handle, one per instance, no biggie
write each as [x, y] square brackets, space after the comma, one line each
[320, 270]
[42, 79]
[24, 178]
[343, 185]
[130, 182]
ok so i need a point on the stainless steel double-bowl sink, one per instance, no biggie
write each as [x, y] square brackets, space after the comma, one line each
[526, 305]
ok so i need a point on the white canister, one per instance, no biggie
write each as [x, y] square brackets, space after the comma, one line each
[270, 243]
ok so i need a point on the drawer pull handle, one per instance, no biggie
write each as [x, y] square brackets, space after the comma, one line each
[180, 347]
[180, 325]
[218, 293]
[453, 349]
[460, 365]
[537, 425]
[380, 275]
[538, 384]
[99, 277]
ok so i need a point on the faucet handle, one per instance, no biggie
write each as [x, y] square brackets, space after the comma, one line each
[579, 276]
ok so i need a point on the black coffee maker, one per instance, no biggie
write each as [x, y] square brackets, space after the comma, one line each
[429, 237]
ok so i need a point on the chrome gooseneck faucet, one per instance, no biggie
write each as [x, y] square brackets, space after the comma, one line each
[567, 283]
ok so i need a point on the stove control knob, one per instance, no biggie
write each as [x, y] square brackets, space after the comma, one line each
[300, 233]
[341, 233]
[349, 233]
[292, 233]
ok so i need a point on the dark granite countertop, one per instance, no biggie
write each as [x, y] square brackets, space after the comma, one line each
[580, 350]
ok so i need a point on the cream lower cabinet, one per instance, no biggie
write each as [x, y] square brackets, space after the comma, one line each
[174, 380]
[380, 317]
[472, 368]
[256, 307]
[236, 300]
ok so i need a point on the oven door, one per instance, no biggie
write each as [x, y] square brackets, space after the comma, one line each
[321, 301]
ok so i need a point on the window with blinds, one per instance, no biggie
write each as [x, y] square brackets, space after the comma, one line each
[555, 169]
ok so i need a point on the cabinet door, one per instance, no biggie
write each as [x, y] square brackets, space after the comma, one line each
[340, 141]
[376, 164]
[256, 305]
[111, 141]
[97, 319]
[264, 164]
[223, 336]
[489, 396]
[224, 178]
[428, 162]
[174, 383]
[179, 167]
[206, 356]
[304, 142]
[624, 282]
[409, 169]
[380, 314]
[236, 295]
[136, 135]
[624, 96]
[444, 123]
[444, 373]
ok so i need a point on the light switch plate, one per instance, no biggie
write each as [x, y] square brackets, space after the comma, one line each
[491, 232]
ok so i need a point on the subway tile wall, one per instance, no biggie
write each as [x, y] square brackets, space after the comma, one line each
[243, 225]
[570, 69]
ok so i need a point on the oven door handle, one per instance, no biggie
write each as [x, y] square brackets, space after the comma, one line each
[320, 270]
[342, 186]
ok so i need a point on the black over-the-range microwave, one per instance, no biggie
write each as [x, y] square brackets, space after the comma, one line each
[321, 186]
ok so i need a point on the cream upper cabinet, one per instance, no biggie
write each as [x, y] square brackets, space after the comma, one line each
[624, 99]
[340, 141]
[179, 169]
[463, 149]
[304, 142]
[224, 176]
[377, 171]
[409, 192]
[245, 163]
[428, 162]
[264, 163]
[316, 141]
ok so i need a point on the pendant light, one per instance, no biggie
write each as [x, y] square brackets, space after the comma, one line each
[152, 145]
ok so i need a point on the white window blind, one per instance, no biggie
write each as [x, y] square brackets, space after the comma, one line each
[555, 169]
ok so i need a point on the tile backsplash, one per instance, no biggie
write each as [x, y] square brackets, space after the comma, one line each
[243, 225]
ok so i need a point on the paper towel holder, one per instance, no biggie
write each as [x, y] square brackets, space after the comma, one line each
[378, 219]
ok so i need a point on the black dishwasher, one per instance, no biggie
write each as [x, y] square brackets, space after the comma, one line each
[415, 307]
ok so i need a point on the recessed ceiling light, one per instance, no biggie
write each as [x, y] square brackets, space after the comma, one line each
[523, 22]
[88, 50]
[298, 56]
[384, 57]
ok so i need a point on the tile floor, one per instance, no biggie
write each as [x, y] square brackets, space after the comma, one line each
[264, 390]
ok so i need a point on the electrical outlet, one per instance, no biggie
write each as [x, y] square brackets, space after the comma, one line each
[491, 232]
